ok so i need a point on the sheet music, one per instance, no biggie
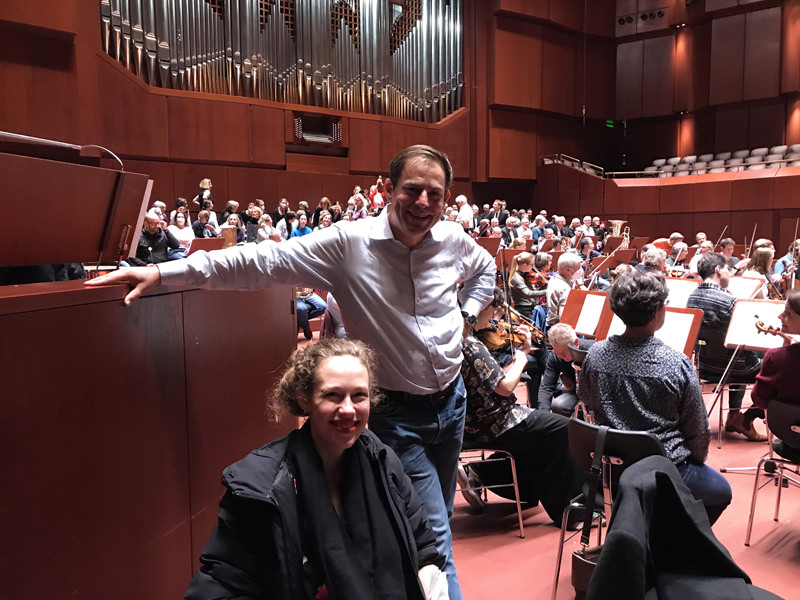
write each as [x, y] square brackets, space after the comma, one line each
[676, 329]
[590, 314]
[744, 287]
[679, 291]
[742, 329]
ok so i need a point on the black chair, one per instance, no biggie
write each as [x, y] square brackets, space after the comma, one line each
[783, 420]
[621, 449]
[475, 452]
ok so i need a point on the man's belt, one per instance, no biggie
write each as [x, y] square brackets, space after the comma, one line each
[398, 396]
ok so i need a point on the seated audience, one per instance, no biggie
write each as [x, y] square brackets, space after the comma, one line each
[286, 224]
[182, 231]
[717, 304]
[266, 231]
[231, 208]
[179, 204]
[325, 220]
[154, 243]
[779, 378]
[302, 226]
[251, 219]
[234, 222]
[309, 306]
[636, 382]
[208, 206]
[327, 511]
[202, 228]
[537, 439]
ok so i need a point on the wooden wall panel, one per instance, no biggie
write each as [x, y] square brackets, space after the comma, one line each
[136, 122]
[266, 136]
[54, 16]
[516, 75]
[365, 146]
[750, 185]
[643, 225]
[296, 186]
[681, 222]
[765, 125]
[634, 199]
[38, 75]
[214, 130]
[787, 187]
[311, 163]
[163, 177]
[731, 129]
[454, 139]
[532, 8]
[187, 183]
[658, 76]
[591, 196]
[675, 196]
[712, 223]
[762, 59]
[568, 13]
[569, 191]
[99, 439]
[396, 136]
[512, 145]
[700, 65]
[705, 131]
[558, 72]
[648, 140]
[727, 59]
[245, 185]
[340, 187]
[630, 57]
[714, 191]
[790, 54]
[742, 223]
[599, 18]
[600, 82]
[258, 343]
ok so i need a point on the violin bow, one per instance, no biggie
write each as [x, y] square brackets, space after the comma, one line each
[719, 239]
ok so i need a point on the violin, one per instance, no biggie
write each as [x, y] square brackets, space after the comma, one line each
[500, 335]
[762, 328]
[537, 279]
[537, 336]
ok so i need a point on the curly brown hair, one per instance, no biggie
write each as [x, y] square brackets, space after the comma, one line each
[300, 376]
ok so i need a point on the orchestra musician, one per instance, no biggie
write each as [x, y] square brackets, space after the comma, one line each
[677, 260]
[717, 304]
[636, 382]
[559, 286]
[759, 267]
[727, 246]
[779, 378]
[587, 253]
[527, 287]
[537, 439]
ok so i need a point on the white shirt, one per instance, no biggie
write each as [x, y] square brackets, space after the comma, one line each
[465, 213]
[401, 301]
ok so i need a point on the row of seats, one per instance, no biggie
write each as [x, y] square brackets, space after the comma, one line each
[741, 160]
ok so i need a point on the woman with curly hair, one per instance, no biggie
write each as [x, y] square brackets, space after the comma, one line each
[327, 511]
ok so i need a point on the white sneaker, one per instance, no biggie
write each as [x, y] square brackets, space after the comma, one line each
[470, 485]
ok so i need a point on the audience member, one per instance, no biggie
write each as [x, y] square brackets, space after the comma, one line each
[202, 228]
[154, 243]
[182, 231]
[302, 227]
[286, 224]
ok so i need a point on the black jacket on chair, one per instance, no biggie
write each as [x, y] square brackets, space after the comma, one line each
[659, 537]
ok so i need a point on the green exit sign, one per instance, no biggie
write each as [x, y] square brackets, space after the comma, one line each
[609, 123]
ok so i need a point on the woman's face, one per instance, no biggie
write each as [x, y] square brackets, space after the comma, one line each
[525, 268]
[302, 221]
[339, 406]
[790, 320]
[326, 220]
[180, 220]
[232, 220]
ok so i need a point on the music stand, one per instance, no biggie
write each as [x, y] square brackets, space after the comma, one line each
[206, 244]
[680, 290]
[679, 331]
[507, 254]
[529, 245]
[690, 252]
[744, 288]
[583, 311]
[611, 243]
[492, 244]
[547, 246]
[638, 242]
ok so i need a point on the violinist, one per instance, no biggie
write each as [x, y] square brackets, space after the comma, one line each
[503, 340]
[537, 439]
[677, 260]
[522, 283]
[706, 247]
[727, 246]
[717, 304]
[788, 262]
[779, 378]
[759, 267]
[587, 253]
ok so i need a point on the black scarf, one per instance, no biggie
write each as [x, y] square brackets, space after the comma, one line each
[359, 555]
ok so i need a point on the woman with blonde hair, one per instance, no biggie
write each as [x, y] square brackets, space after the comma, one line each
[523, 292]
[760, 267]
[327, 511]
